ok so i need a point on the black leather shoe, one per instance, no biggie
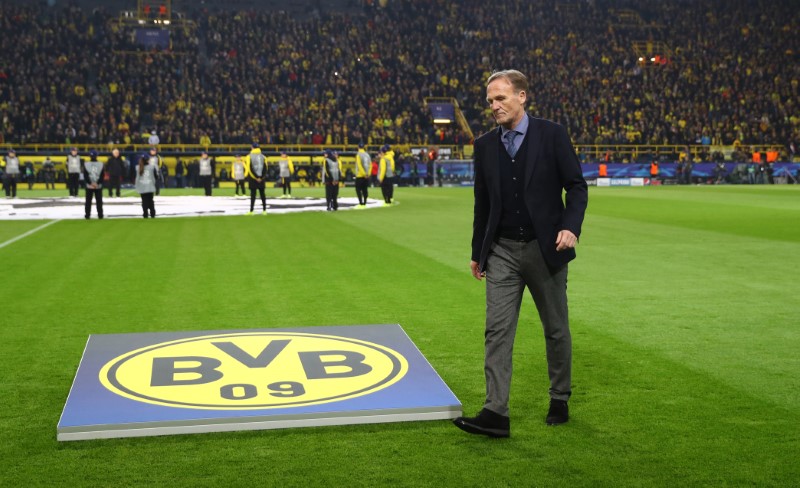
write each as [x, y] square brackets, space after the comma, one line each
[485, 423]
[558, 413]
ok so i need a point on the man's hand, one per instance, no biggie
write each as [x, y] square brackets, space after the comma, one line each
[565, 240]
[476, 272]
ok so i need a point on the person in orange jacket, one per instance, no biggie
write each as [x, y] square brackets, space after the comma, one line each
[654, 170]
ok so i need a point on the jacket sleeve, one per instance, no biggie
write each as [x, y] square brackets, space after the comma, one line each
[246, 162]
[481, 208]
[577, 193]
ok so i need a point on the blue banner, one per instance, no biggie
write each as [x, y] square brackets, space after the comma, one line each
[731, 172]
[149, 38]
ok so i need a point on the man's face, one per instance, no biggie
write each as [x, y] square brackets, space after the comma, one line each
[506, 103]
[115, 153]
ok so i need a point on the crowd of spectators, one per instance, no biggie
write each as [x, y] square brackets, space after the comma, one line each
[730, 73]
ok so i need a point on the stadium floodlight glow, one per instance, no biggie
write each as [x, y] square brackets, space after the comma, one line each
[641, 59]
[141, 21]
[442, 121]
[652, 60]
[166, 22]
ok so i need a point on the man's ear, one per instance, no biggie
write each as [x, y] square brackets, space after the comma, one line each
[523, 97]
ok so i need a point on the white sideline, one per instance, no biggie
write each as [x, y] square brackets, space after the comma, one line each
[32, 231]
[130, 207]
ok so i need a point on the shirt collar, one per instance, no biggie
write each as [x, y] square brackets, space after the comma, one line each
[520, 128]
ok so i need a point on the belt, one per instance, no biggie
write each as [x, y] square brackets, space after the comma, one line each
[519, 234]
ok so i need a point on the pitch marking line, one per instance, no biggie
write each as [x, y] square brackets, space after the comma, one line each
[32, 231]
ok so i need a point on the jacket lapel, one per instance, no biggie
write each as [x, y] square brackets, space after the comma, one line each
[493, 151]
[534, 149]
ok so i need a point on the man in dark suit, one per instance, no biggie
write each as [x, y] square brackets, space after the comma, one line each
[524, 235]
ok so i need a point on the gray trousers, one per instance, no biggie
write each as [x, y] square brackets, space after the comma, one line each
[510, 267]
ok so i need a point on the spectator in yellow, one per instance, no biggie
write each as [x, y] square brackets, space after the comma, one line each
[255, 167]
[363, 167]
[386, 173]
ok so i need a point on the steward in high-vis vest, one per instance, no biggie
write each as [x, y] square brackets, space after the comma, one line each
[156, 160]
[237, 171]
[386, 173]
[93, 173]
[11, 174]
[772, 156]
[49, 170]
[206, 172]
[363, 168]
[286, 170]
[331, 174]
[255, 167]
[146, 176]
[654, 170]
[74, 168]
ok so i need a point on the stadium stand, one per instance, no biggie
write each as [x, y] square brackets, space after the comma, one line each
[704, 73]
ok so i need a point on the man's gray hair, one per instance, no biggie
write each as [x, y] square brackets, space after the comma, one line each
[517, 79]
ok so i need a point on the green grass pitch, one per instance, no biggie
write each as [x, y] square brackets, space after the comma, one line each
[684, 314]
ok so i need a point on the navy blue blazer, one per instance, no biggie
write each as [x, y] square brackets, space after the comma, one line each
[551, 167]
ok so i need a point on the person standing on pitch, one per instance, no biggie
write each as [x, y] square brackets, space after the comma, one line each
[146, 176]
[237, 171]
[331, 173]
[255, 167]
[363, 167]
[11, 174]
[373, 173]
[74, 168]
[116, 167]
[165, 173]
[155, 159]
[93, 174]
[49, 170]
[30, 177]
[386, 174]
[179, 169]
[206, 171]
[523, 236]
[286, 171]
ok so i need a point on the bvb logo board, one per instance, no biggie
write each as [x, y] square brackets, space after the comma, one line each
[159, 383]
[253, 371]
